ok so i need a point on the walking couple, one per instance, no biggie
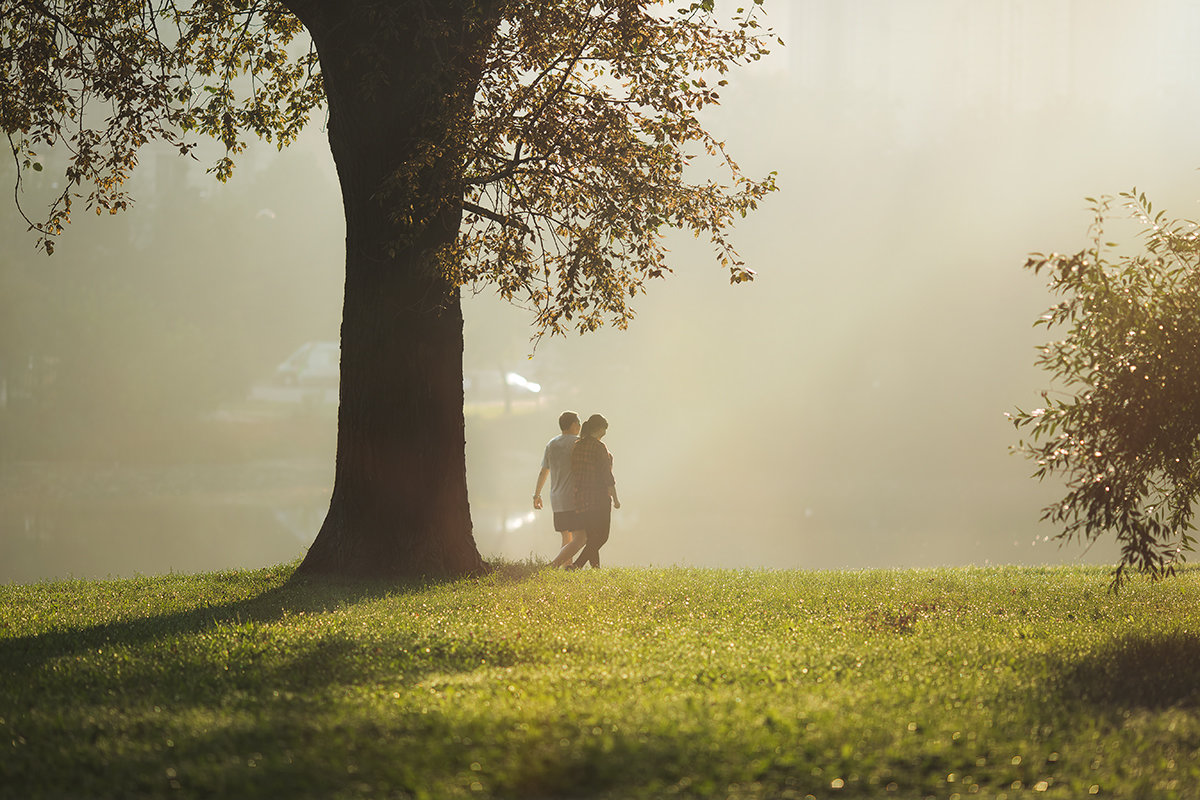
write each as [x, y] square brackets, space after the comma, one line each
[581, 487]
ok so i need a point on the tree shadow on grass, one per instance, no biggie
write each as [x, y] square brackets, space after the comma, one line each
[1140, 671]
[294, 596]
[31, 651]
[235, 705]
[304, 751]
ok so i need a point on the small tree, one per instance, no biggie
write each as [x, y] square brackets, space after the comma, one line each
[1123, 425]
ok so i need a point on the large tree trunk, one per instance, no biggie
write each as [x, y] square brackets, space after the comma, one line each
[400, 78]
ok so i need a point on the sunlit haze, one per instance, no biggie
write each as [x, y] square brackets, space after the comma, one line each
[844, 410]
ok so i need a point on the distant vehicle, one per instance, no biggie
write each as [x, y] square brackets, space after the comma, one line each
[315, 363]
[313, 372]
[308, 377]
[487, 387]
[487, 384]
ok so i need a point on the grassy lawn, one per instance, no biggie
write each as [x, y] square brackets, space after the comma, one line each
[624, 683]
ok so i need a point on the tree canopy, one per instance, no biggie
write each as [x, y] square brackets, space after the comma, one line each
[1122, 423]
[99, 80]
[585, 122]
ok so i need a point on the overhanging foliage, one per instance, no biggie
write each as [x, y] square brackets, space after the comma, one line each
[585, 124]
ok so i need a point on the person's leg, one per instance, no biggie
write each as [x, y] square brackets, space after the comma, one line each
[569, 549]
[600, 540]
[584, 520]
[565, 522]
[597, 536]
[585, 556]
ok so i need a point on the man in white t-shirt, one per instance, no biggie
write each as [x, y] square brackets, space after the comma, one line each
[556, 465]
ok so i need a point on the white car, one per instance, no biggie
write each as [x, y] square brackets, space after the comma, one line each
[314, 369]
[315, 363]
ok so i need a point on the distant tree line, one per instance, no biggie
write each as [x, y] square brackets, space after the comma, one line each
[163, 313]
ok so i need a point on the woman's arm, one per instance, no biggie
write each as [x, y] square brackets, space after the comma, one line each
[612, 482]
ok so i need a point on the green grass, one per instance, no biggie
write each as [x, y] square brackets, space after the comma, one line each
[623, 683]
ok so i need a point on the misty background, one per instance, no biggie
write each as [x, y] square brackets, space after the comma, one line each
[845, 410]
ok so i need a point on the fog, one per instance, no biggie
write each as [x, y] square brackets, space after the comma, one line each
[844, 410]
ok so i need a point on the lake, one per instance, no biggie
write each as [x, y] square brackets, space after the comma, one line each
[84, 520]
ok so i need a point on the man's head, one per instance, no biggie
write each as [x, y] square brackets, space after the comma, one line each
[568, 422]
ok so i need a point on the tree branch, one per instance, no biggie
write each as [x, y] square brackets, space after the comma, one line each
[487, 213]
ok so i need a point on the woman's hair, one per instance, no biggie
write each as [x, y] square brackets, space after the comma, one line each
[593, 425]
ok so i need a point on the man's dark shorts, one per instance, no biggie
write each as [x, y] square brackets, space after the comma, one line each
[566, 521]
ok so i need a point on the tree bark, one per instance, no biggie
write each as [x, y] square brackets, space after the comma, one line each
[400, 79]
